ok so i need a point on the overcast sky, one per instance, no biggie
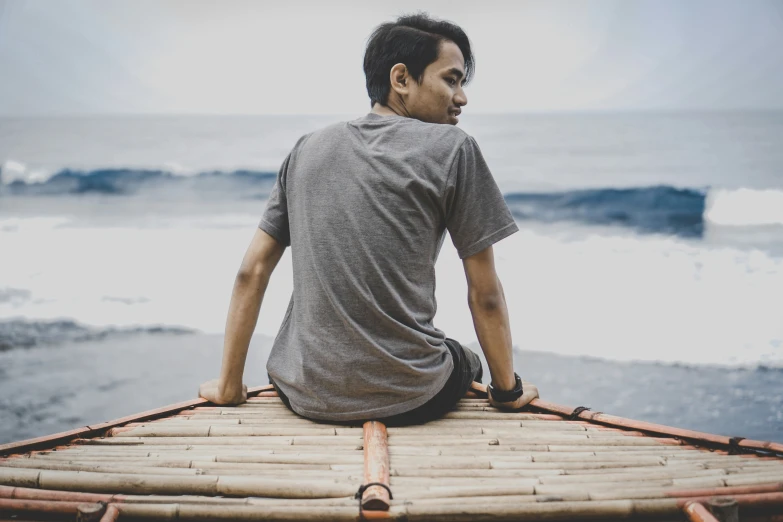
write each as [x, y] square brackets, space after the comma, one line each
[167, 56]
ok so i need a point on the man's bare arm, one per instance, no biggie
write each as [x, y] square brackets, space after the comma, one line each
[259, 262]
[490, 319]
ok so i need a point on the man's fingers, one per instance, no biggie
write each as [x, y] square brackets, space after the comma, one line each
[530, 393]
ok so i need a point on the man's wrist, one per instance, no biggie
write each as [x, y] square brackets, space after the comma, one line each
[507, 383]
[229, 391]
[511, 395]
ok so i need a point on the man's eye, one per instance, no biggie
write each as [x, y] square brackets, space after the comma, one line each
[451, 81]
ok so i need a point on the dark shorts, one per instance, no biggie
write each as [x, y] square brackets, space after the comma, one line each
[467, 368]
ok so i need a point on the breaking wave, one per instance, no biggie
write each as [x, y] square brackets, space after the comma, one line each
[656, 209]
[129, 182]
[660, 209]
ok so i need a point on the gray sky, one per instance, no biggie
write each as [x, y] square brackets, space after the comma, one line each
[260, 57]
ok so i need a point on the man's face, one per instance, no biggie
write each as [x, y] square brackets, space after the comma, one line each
[439, 97]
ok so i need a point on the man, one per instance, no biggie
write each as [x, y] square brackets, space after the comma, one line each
[365, 206]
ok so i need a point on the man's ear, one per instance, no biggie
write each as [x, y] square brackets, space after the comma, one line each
[399, 79]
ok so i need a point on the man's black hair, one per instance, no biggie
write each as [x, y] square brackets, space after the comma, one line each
[413, 40]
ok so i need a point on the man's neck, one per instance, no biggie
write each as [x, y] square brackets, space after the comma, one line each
[384, 110]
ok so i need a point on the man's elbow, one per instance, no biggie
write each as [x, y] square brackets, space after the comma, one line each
[487, 302]
[251, 274]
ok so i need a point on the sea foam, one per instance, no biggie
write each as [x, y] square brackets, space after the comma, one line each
[607, 293]
[745, 207]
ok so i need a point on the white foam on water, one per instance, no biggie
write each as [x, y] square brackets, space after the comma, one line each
[176, 276]
[628, 297]
[617, 296]
[11, 171]
[744, 207]
[178, 169]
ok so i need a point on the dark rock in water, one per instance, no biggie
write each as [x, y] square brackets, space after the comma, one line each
[28, 334]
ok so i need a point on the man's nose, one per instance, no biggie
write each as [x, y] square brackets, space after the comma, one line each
[460, 98]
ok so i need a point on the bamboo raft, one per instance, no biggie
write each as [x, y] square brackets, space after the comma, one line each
[259, 461]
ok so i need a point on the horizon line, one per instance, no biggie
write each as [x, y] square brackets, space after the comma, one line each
[559, 112]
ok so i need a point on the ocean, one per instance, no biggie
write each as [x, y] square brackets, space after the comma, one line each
[647, 276]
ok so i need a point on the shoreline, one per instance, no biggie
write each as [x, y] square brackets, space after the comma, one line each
[97, 380]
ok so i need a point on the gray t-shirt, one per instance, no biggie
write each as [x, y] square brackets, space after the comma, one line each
[365, 206]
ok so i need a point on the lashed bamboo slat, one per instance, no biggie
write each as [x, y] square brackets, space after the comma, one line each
[376, 467]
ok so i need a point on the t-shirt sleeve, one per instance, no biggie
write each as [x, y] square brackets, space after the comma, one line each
[476, 213]
[274, 220]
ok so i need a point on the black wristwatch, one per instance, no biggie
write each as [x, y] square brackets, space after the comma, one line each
[507, 396]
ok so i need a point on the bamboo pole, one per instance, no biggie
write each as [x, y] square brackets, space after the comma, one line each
[498, 507]
[194, 467]
[250, 513]
[103, 468]
[636, 492]
[211, 430]
[38, 507]
[698, 513]
[626, 477]
[534, 511]
[98, 429]
[162, 484]
[293, 459]
[36, 494]
[184, 460]
[76, 497]
[753, 500]
[496, 414]
[517, 449]
[514, 510]
[475, 495]
[658, 429]
[732, 490]
[397, 481]
[512, 426]
[376, 467]
[456, 492]
[621, 422]
[68, 496]
[196, 452]
[176, 511]
[333, 477]
[757, 478]
[522, 438]
[303, 440]
[437, 473]
[592, 465]
[21, 493]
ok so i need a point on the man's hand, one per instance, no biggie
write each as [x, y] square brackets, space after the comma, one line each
[530, 393]
[211, 391]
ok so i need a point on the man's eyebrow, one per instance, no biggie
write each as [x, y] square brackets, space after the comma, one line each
[456, 72]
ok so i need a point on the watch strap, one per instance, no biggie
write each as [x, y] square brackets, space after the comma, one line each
[510, 395]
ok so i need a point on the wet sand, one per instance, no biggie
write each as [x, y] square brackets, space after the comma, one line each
[47, 389]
